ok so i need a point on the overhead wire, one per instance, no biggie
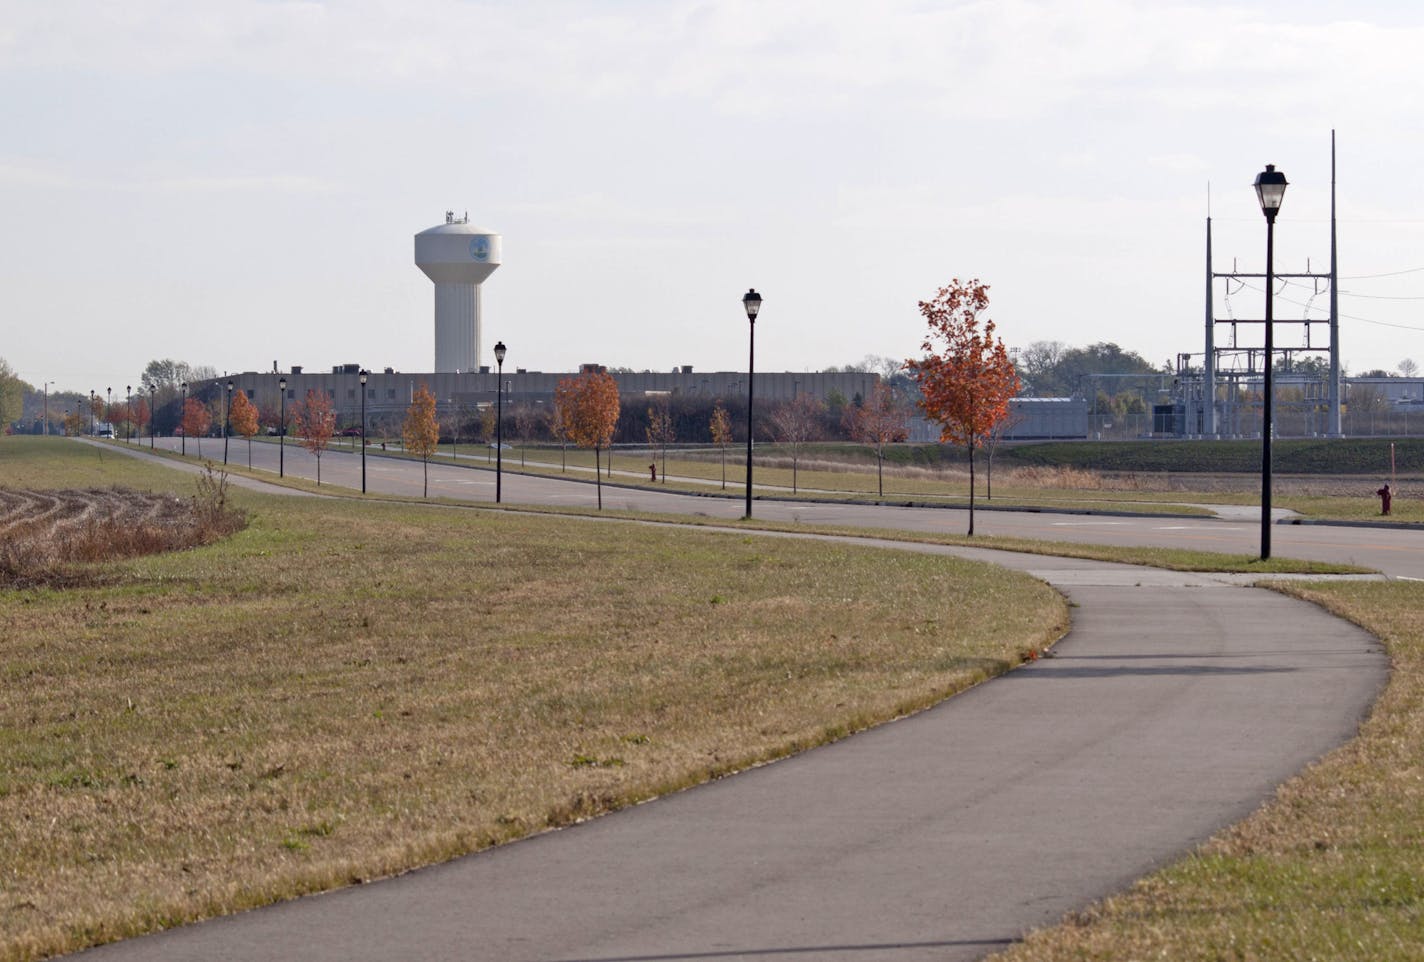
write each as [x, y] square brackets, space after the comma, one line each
[1352, 317]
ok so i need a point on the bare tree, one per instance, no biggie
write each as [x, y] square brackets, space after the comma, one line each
[996, 434]
[527, 419]
[794, 423]
[661, 432]
[883, 419]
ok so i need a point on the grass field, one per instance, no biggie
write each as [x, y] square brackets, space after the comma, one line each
[1333, 868]
[1022, 477]
[1070, 486]
[343, 690]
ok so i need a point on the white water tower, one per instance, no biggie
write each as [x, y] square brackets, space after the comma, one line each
[458, 257]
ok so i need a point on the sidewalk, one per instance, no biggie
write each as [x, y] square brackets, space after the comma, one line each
[1174, 707]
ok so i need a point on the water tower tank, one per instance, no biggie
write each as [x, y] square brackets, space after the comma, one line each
[458, 257]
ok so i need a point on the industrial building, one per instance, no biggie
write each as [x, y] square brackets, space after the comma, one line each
[390, 392]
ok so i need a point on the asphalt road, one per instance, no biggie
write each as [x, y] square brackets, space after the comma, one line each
[1398, 552]
[1174, 707]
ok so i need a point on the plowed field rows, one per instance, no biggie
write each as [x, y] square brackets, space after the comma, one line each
[41, 531]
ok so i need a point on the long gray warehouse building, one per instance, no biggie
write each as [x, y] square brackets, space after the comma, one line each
[389, 392]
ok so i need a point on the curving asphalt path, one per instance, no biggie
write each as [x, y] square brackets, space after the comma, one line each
[1174, 707]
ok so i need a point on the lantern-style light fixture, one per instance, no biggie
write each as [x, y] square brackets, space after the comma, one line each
[1270, 190]
[751, 300]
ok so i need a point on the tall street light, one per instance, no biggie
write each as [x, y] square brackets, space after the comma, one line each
[152, 421]
[752, 302]
[109, 410]
[92, 398]
[46, 407]
[362, 378]
[128, 414]
[1270, 188]
[182, 417]
[499, 351]
[227, 420]
[282, 427]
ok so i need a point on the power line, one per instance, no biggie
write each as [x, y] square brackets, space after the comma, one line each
[1353, 317]
[1364, 277]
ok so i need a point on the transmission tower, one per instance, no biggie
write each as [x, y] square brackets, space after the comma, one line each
[1233, 364]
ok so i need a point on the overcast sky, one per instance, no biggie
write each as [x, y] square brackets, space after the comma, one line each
[233, 183]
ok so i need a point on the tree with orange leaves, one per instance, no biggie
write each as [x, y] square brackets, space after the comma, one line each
[966, 378]
[883, 419]
[721, 428]
[139, 414]
[316, 423]
[196, 421]
[588, 409]
[420, 432]
[243, 416]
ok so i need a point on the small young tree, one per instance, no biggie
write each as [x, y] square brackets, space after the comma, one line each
[966, 378]
[140, 414]
[589, 406]
[526, 424]
[795, 422]
[316, 423]
[883, 419]
[488, 416]
[196, 421]
[721, 427]
[661, 432]
[244, 420]
[996, 434]
[421, 431]
[561, 434]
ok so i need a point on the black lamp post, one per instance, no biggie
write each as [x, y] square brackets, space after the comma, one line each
[152, 414]
[109, 410]
[752, 302]
[499, 351]
[128, 414]
[92, 398]
[1270, 188]
[227, 419]
[282, 427]
[182, 426]
[362, 378]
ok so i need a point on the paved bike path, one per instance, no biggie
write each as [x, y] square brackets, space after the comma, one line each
[1174, 707]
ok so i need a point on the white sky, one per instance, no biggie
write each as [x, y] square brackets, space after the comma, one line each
[233, 183]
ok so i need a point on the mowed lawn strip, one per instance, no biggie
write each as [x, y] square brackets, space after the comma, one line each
[1332, 868]
[346, 690]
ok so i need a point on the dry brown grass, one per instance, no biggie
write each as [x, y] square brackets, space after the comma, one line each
[346, 690]
[46, 535]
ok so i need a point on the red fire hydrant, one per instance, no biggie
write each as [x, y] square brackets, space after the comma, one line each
[1386, 497]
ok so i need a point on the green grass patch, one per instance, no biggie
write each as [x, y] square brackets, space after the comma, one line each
[1366, 456]
[346, 689]
[1173, 559]
[1405, 508]
[1332, 868]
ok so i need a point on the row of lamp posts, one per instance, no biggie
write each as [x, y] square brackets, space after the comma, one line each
[1270, 189]
[751, 301]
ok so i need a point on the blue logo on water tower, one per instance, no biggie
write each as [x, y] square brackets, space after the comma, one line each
[479, 248]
